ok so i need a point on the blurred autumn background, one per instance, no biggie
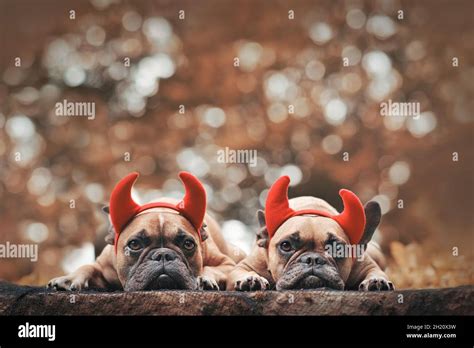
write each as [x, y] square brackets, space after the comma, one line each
[304, 91]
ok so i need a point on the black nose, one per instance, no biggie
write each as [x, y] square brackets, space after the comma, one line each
[163, 254]
[313, 259]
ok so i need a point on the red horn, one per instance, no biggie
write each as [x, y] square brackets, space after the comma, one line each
[352, 218]
[277, 208]
[193, 205]
[122, 205]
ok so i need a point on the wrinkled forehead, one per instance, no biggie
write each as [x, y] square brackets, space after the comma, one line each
[309, 228]
[160, 222]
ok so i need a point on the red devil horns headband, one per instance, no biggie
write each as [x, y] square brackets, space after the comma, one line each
[277, 211]
[123, 208]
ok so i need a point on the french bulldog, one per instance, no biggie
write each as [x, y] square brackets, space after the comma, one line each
[168, 244]
[303, 243]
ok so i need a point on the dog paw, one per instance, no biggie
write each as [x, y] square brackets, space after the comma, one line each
[69, 283]
[376, 284]
[205, 283]
[252, 283]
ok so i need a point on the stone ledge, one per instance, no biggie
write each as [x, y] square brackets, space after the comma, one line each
[23, 300]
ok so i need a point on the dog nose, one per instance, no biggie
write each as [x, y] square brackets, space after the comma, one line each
[163, 254]
[313, 259]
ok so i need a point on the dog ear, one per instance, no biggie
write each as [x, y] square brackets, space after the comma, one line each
[110, 237]
[203, 232]
[373, 214]
[262, 234]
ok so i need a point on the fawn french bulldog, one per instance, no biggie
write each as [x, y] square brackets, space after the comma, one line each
[167, 244]
[299, 244]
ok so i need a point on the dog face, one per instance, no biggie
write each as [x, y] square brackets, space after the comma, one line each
[301, 252]
[298, 257]
[159, 249]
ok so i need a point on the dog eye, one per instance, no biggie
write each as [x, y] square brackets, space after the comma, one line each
[189, 244]
[286, 246]
[134, 244]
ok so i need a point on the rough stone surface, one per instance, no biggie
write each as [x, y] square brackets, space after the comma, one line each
[23, 300]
